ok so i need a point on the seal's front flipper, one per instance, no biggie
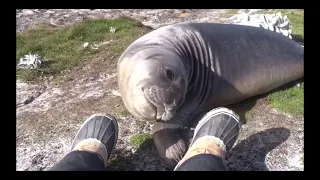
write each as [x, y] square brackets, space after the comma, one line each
[169, 143]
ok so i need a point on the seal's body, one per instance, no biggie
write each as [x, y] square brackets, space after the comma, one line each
[210, 65]
[177, 71]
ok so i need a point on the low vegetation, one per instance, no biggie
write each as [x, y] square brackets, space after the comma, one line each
[63, 48]
[140, 140]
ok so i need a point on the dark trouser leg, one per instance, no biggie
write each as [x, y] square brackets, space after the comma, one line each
[80, 161]
[203, 162]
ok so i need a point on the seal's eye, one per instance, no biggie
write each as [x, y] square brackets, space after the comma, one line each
[166, 73]
[169, 74]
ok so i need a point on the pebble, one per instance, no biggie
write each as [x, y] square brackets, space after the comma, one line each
[92, 78]
[27, 12]
[49, 12]
[46, 15]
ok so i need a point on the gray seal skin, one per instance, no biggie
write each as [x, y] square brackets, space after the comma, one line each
[178, 71]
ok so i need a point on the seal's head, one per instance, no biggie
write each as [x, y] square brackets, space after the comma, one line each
[153, 84]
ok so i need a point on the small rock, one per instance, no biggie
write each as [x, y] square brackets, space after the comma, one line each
[112, 29]
[30, 61]
[37, 159]
[85, 45]
[116, 93]
[70, 79]
[66, 15]
[46, 15]
[50, 12]
[155, 18]
[126, 131]
[185, 14]
[27, 12]
[85, 79]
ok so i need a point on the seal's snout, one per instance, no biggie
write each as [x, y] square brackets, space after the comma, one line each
[165, 100]
[161, 89]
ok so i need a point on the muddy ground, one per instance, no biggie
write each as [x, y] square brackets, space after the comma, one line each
[270, 140]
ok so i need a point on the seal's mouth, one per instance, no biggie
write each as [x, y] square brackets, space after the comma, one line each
[159, 107]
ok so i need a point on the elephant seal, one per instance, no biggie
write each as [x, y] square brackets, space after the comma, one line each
[178, 71]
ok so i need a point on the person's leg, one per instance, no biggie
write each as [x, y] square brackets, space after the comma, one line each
[92, 146]
[213, 137]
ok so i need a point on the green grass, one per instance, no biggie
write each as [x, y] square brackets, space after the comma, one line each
[249, 115]
[62, 47]
[139, 139]
[291, 100]
[125, 113]
[297, 19]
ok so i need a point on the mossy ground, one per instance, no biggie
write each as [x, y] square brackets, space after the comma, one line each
[139, 139]
[62, 48]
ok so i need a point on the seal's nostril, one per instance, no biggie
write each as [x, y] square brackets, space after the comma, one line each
[142, 88]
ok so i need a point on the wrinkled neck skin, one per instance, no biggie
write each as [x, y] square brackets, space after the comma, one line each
[207, 58]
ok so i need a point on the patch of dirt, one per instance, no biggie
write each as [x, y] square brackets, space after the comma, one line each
[154, 18]
[46, 126]
[270, 141]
